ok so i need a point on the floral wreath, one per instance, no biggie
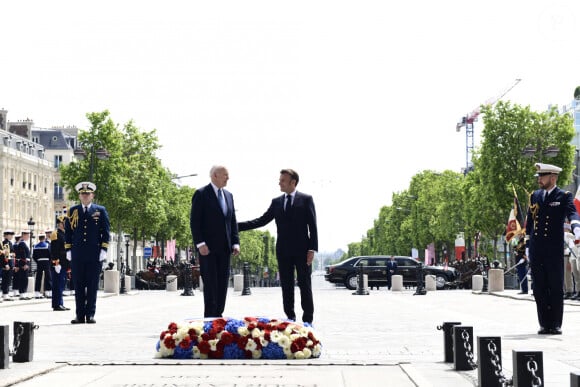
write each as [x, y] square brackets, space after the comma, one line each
[227, 338]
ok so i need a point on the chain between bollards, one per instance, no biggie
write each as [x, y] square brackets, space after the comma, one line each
[17, 337]
[468, 349]
[533, 367]
[496, 363]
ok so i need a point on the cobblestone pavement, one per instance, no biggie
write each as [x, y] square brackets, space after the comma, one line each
[383, 339]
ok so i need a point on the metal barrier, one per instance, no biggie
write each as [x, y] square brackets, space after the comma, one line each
[448, 340]
[23, 341]
[574, 379]
[246, 291]
[5, 350]
[188, 282]
[528, 366]
[361, 290]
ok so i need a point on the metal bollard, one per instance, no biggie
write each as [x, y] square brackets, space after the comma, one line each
[4, 350]
[574, 379]
[463, 348]
[246, 291]
[23, 341]
[360, 289]
[528, 368]
[188, 280]
[448, 340]
[489, 370]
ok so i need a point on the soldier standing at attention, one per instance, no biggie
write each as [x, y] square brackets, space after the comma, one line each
[549, 208]
[7, 264]
[21, 266]
[41, 255]
[86, 243]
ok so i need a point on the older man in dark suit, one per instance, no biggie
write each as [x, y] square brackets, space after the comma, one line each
[549, 208]
[297, 241]
[215, 234]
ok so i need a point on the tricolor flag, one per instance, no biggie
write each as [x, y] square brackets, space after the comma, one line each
[577, 200]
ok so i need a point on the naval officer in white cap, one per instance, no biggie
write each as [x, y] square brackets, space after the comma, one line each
[549, 208]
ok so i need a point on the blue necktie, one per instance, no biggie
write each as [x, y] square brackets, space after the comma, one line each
[288, 203]
[222, 201]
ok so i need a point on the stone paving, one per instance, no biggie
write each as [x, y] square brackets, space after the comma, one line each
[381, 339]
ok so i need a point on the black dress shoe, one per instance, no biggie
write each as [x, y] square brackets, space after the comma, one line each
[523, 293]
[91, 320]
[556, 331]
[543, 331]
[78, 321]
[60, 308]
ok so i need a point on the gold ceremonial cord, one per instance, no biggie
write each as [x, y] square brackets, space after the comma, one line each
[74, 219]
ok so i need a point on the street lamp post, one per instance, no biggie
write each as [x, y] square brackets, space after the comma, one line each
[31, 224]
[127, 239]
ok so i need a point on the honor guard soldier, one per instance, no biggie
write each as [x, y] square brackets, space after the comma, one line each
[86, 243]
[60, 265]
[549, 208]
[41, 255]
[7, 262]
[21, 266]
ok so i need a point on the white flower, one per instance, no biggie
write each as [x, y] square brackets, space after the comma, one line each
[251, 345]
[256, 333]
[307, 353]
[243, 331]
[316, 350]
[288, 353]
[275, 336]
[196, 353]
[256, 354]
[299, 355]
[213, 344]
[284, 342]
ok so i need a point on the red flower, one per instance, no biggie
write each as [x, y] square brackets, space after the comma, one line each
[172, 327]
[169, 342]
[299, 344]
[242, 341]
[227, 338]
[185, 343]
[203, 347]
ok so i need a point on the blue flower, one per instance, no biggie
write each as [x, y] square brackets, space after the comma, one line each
[232, 351]
[273, 351]
[232, 325]
[263, 320]
[158, 345]
[181, 353]
[207, 326]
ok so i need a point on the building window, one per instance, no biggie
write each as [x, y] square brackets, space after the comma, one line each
[57, 161]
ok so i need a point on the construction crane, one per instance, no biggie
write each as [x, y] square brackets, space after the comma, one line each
[468, 120]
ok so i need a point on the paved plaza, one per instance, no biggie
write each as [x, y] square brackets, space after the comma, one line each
[380, 339]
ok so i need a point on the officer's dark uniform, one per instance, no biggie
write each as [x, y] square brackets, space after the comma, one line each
[545, 236]
[58, 260]
[86, 234]
[21, 268]
[41, 255]
[7, 263]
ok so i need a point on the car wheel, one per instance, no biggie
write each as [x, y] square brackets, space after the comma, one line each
[440, 281]
[351, 282]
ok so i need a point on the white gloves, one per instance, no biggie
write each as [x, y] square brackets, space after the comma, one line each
[68, 255]
[103, 256]
[577, 232]
[57, 268]
[528, 252]
[521, 261]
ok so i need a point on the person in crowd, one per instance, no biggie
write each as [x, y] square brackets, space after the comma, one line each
[7, 264]
[215, 236]
[571, 280]
[41, 255]
[59, 267]
[21, 266]
[86, 243]
[391, 271]
[548, 210]
[522, 265]
[297, 241]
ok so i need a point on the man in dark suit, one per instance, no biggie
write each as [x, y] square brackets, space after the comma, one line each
[391, 270]
[215, 235]
[86, 242]
[59, 266]
[297, 241]
[549, 208]
[7, 263]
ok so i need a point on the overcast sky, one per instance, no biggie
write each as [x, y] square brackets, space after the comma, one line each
[357, 96]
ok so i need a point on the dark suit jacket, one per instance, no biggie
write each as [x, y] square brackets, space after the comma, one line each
[209, 224]
[297, 232]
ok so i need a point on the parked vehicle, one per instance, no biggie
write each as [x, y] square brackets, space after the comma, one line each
[375, 266]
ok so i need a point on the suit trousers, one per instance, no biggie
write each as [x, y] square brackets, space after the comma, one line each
[215, 273]
[58, 283]
[86, 284]
[548, 284]
[6, 279]
[287, 265]
[43, 268]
